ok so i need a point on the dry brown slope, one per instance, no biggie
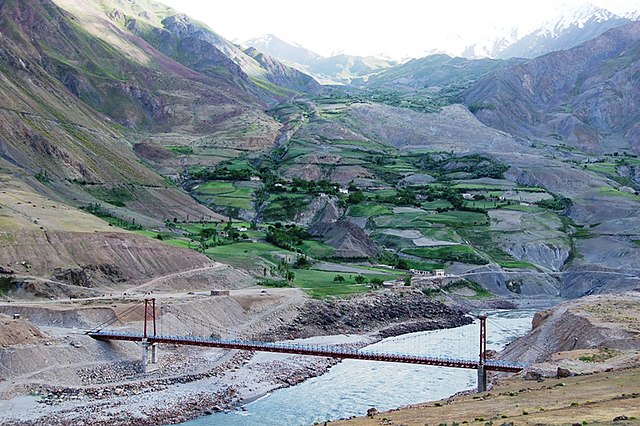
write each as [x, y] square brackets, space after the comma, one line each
[594, 399]
[597, 337]
[19, 332]
[43, 238]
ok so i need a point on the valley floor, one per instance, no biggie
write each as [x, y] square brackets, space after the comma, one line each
[56, 375]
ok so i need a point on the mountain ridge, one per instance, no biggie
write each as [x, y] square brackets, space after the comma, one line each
[569, 95]
[340, 69]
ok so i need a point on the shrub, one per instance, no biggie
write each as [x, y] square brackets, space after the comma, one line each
[360, 279]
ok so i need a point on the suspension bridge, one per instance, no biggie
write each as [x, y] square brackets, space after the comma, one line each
[149, 338]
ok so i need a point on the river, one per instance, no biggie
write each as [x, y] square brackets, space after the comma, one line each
[351, 387]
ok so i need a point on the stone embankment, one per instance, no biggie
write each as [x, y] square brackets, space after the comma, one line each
[391, 313]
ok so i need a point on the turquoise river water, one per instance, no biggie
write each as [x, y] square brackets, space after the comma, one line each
[351, 387]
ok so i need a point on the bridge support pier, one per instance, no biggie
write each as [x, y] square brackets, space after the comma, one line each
[154, 353]
[482, 370]
[482, 378]
[149, 365]
[149, 314]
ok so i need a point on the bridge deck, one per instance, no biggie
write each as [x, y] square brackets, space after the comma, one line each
[324, 351]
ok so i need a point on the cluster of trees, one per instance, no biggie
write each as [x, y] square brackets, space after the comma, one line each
[403, 197]
[392, 259]
[287, 236]
[97, 210]
[556, 203]
[222, 173]
[285, 207]
[314, 187]
[275, 185]
[284, 270]
[360, 279]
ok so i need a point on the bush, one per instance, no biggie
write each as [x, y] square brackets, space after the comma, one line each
[273, 283]
[302, 262]
[376, 282]
[338, 278]
[360, 279]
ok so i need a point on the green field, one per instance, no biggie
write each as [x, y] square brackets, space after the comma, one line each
[240, 203]
[369, 210]
[316, 249]
[223, 193]
[246, 255]
[438, 204]
[422, 265]
[381, 193]
[608, 169]
[176, 242]
[484, 204]
[463, 254]
[457, 219]
[216, 188]
[413, 220]
[607, 190]
[320, 284]
[516, 264]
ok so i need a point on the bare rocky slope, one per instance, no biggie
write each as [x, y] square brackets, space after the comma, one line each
[586, 97]
[581, 328]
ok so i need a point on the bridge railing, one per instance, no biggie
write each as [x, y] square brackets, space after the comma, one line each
[338, 352]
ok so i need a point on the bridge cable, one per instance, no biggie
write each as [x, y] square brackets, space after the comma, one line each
[114, 318]
[517, 336]
[206, 325]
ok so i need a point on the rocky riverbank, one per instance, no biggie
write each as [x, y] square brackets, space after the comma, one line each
[194, 382]
[389, 313]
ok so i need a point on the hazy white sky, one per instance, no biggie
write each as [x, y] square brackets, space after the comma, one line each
[397, 28]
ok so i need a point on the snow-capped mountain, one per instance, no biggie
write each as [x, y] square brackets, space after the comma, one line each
[578, 17]
[338, 68]
[633, 15]
[565, 29]
[572, 27]
[285, 50]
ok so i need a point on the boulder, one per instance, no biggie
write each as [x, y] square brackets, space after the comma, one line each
[563, 372]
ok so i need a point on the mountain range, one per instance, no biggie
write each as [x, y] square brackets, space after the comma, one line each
[339, 69]
[130, 116]
[563, 31]
[586, 97]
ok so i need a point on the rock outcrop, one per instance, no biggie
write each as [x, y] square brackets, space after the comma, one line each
[593, 322]
[349, 240]
[395, 313]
